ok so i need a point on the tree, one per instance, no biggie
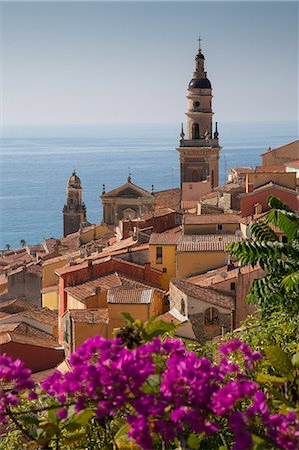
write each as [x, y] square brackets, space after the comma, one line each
[280, 260]
[23, 243]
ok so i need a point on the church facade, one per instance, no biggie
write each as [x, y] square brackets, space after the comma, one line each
[199, 150]
[126, 202]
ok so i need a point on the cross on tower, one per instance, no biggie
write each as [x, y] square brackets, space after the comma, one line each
[199, 41]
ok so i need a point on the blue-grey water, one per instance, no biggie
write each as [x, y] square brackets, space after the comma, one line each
[35, 168]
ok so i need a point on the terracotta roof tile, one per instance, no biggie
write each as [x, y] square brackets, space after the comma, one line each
[169, 198]
[89, 315]
[15, 306]
[194, 219]
[272, 169]
[204, 243]
[125, 243]
[136, 296]
[241, 170]
[165, 238]
[27, 340]
[129, 282]
[83, 291]
[204, 294]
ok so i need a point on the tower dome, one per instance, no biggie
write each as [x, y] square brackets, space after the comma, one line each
[200, 83]
[74, 180]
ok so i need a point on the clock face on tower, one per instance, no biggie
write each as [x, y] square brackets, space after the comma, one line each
[196, 104]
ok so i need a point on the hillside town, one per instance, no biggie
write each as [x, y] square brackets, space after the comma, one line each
[155, 254]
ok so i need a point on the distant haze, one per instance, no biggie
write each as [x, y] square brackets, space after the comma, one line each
[116, 63]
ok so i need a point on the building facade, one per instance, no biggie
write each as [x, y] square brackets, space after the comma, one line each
[126, 202]
[199, 153]
[74, 211]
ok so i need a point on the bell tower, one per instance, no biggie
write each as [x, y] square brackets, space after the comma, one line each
[199, 153]
[74, 211]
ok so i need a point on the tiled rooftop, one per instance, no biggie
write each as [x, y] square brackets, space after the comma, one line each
[203, 243]
[169, 198]
[194, 219]
[165, 238]
[85, 290]
[88, 315]
[204, 294]
[136, 296]
[216, 276]
[27, 340]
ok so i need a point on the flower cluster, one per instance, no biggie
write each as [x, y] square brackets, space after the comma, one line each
[163, 389]
[14, 377]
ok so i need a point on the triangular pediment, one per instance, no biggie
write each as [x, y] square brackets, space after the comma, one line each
[128, 190]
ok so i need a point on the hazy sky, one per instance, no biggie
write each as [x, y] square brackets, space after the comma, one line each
[97, 63]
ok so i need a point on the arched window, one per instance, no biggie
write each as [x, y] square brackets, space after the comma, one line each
[195, 131]
[211, 316]
[194, 176]
[129, 214]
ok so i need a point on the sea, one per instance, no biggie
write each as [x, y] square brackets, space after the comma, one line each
[35, 164]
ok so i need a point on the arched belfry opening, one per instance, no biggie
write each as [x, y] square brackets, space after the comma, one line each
[195, 131]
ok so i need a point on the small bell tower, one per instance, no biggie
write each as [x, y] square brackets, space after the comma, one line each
[74, 211]
[199, 153]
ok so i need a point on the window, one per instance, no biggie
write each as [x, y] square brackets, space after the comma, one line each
[219, 227]
[159, 255]
[233, 286]
[195, 131]
[211, 316]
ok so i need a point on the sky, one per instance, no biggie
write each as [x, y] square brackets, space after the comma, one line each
[92, 63]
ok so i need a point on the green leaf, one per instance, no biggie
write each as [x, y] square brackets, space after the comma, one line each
[265, 378]
[122, 431]
[73, 438]
[194, 440]
[30, 419]
[154, 329]
[128, 318]
[222, 447]
[295, 360]
[80, 420]
[52, 415]
[51, 429]
[259, 443]
[278, 359]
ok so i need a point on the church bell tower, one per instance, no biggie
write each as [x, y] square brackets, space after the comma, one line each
[199, 152]
[74, 211]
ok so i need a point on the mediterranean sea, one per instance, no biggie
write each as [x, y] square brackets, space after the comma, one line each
[36, 164]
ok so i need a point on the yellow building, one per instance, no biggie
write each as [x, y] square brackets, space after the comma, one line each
[92, 294]
[78, 325]
[162, 254]
[141, 303]
[93, 232]
[50, 280]
[211, 224]
[198, 254]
